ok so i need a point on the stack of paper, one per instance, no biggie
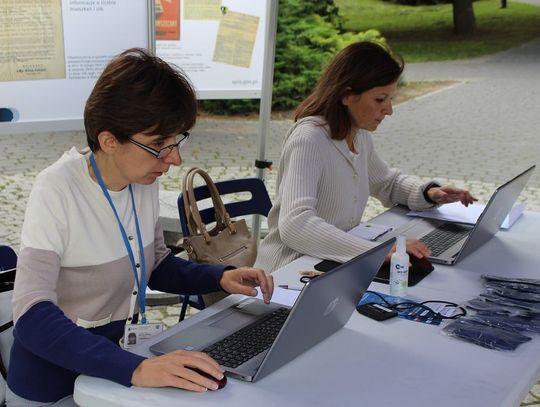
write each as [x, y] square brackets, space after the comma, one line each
[456, 212]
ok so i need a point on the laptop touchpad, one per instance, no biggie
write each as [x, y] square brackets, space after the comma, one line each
[232, 321]
[193, 338]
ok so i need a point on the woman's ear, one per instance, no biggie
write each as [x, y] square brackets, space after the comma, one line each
[107, 142]
[346, 98]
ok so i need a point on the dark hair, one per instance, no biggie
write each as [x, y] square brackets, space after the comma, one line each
[359, 67]
[139, 93]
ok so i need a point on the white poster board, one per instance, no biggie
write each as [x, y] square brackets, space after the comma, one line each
[52, 51]
[218, 43]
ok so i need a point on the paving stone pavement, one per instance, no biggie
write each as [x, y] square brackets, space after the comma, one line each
[475, 134]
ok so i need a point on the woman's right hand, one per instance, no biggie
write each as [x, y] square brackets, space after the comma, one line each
[173, 370]
[415, 248]
[418, 249]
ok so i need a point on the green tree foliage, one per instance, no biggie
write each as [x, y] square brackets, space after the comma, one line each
[419, 2]
[308, 35]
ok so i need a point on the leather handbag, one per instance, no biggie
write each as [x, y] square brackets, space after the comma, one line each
[229, 242]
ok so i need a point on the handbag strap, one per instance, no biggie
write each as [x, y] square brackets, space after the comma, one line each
[195, 224]
[222, 217]
[192, 227]
[193, 216]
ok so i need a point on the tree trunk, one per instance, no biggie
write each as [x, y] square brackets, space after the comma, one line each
[464, 21]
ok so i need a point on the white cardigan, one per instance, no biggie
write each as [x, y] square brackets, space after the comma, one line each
[322, 191]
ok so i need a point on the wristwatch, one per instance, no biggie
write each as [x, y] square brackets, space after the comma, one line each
[427, 188]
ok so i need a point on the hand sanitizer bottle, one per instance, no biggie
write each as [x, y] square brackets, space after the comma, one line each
[399, 269]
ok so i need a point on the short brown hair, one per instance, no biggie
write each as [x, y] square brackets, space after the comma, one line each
[138, 92]
[359, 67]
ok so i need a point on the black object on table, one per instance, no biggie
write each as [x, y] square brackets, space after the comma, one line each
[419, 269]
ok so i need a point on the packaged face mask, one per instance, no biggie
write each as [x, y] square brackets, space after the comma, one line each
[486, 336]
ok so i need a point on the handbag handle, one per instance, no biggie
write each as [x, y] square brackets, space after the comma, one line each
[193, 226]
[222, 217]
[193, 216]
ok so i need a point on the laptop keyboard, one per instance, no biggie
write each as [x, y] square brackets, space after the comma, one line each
[442, 238]
[248, 342]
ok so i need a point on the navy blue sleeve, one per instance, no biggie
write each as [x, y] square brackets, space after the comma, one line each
[179, 276]
[45, 331]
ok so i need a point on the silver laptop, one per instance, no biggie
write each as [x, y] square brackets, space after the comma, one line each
[269, 336]
[451, 241]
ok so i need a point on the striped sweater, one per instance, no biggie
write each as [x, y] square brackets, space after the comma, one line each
[322, 191]
[74, 280]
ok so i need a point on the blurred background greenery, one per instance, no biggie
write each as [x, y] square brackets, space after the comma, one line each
[310, 33]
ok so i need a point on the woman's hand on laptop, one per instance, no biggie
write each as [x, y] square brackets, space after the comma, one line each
[415, 248]
[243, 280]
[447, 194]
[175, 369]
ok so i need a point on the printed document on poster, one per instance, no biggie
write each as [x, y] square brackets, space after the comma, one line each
[31, 40]
[236, 39]
[52, 52]
[202, 9]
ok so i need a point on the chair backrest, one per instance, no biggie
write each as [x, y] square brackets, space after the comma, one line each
[8, 258]
[8, 262]
[258, 204]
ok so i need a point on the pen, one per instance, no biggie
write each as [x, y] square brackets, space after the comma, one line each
[290, 287]
[382, 234]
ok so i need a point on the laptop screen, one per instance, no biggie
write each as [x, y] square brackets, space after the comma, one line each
[324, 306]
[497, 208]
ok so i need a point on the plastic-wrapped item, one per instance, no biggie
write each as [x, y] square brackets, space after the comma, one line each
[509, 307]
[514, 323]
[514, 294]
[531, 307]
[527, 288]
[484, 335]
[481, 305]
[530, 281]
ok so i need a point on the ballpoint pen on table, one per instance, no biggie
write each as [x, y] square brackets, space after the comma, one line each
[290, 287]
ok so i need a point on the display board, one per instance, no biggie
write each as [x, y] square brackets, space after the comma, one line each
[52, 51]
[218, 43]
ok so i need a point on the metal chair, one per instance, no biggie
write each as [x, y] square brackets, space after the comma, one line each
[8, 262]
[258, 204]
[8, 258]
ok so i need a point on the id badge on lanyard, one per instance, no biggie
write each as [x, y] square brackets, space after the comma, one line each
[133, 334]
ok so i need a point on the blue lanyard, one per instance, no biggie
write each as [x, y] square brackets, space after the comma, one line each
[141, 285]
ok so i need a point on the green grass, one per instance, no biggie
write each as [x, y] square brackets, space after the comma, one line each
[425, 33]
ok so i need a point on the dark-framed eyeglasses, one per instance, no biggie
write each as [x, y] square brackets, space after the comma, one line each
[165, 151]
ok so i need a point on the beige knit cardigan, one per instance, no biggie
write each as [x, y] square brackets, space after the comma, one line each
[322, 191]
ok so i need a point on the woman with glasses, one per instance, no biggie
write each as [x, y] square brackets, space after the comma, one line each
[91, 242]
[329, 167]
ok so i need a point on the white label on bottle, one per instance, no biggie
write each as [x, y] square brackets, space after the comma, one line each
[399, 278]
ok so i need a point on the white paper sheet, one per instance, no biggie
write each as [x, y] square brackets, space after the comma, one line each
[282, 296]
[456, 212]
